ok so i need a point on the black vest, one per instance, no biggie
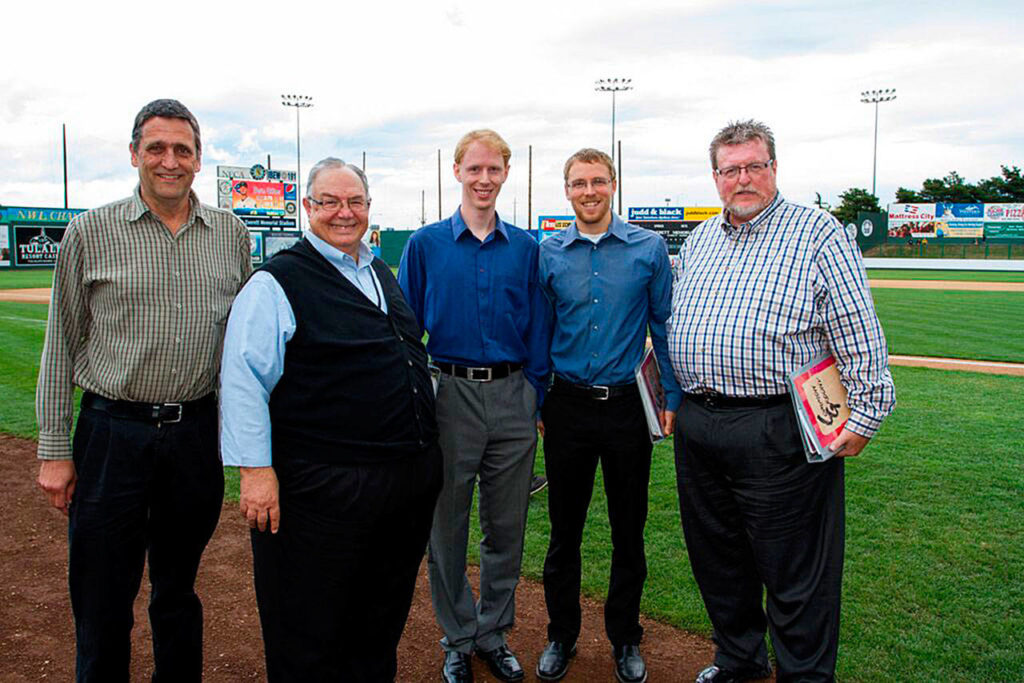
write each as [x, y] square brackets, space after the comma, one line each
[355, 387]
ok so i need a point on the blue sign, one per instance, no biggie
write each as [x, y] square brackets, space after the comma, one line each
[969, 211]
[656, 213]
[26, 214]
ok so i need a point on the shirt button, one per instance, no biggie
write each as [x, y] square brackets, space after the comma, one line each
[177, 339]
[595, 327]
[415, 390]
[595, 355]
[178, 306]
[409, 362]
[595, 301]
[595, 272]
[174, 370]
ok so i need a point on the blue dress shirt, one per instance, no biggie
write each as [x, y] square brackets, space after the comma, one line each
[479, 301]
[259, 327]
[605, 297]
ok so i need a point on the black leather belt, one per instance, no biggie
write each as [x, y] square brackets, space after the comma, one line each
[157, 413]
[713, 399]
[481, 374]
[598, 392]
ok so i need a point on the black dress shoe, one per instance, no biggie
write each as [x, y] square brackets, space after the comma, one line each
[502, 663]
[714, 674]
[629, 664]
[554, 661]
[457, 668]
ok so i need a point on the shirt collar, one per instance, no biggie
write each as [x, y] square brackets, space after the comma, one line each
[757, 223]
[139, 208]
[617, 228]
[337, 257]
[459, 226]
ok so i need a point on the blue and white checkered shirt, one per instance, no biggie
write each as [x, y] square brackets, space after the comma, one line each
[754, 303]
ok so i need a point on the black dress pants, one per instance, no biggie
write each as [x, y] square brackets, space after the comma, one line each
[142, 489]
[757, 517]
[335, 584]
[579, 432]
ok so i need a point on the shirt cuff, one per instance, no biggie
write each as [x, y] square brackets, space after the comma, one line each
[863, 424]
[54, 446]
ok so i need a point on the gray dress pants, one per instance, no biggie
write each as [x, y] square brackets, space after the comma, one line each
[488, 431]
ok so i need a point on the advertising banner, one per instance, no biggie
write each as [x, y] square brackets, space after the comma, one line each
[1004, 213]
[37, 245]
[701, 213]
[256, 246]
[256, 198]
[656, 213]
[911, 220]
[549, 225]
[5, 247]
[274, 242]
[959, 220]
[262, 198]
[1004, 230]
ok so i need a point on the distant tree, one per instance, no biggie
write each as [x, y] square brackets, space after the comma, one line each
[853, 200]
[1006, 187]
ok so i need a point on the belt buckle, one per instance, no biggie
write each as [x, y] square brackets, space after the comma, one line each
[488, 374]
[596, 392]
[156, 411]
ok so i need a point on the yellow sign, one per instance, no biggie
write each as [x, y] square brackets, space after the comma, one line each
[700, 213]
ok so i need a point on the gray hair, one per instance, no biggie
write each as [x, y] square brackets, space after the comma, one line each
[738, 132]
[334, 162]
[168, 109]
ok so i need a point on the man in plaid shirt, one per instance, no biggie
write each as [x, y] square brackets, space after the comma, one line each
[761, 290]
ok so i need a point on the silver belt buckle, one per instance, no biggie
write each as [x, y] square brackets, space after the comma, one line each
[487, 372]
[177, 418]
[599, 388]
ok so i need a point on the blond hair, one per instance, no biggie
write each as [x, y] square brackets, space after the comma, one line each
[589, 155]
[489, 138]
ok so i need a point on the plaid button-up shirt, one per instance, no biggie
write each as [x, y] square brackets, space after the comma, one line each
[137, 314]
[751, 304]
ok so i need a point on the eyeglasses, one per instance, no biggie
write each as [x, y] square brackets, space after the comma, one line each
[355, 204]
[733, 172]
[596, 183]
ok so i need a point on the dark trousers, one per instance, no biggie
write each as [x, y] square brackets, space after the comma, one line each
[758, 518]
[335, 584]
[141, 489]
[578, 433]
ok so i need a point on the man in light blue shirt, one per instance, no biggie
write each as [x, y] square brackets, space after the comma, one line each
[609, 283]
[328, 411]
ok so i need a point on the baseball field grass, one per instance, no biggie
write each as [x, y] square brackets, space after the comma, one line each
[26, 279]
[934, 580]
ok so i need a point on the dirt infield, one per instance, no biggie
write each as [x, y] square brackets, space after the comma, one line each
[37, 637]
[951, 285]
[39, 295]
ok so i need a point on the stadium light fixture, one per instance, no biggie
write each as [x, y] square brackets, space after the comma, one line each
[874, 97]
[613, 85]
[300, 102]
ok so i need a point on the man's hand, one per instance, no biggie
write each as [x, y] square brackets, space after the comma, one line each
[258, 499]
[848, 444]
[668, 422]
[57, 480]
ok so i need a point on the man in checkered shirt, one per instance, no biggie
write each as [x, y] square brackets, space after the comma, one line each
[761, 290]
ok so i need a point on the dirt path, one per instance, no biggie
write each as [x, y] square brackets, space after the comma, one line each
[37, 637]
[951, 285]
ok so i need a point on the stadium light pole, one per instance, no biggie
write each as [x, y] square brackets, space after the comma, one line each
[613, 85]
[874, 97]
[300, 102]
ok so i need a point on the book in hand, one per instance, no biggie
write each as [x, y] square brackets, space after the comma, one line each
[652, 394]
[819, 399]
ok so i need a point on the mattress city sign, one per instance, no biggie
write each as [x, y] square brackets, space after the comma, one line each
[911, 212]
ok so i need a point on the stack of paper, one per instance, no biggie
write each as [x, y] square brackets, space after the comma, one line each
[652, 394]
[819, 399]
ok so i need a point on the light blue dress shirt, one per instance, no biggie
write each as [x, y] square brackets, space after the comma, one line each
[259, 327]
[606, 295]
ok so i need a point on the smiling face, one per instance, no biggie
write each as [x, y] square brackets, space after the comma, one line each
[481, 171]
[167, 160]
[589, 187]
[343, 228]
[748, 194]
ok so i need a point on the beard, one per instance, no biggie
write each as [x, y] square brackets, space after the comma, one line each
[744, 212]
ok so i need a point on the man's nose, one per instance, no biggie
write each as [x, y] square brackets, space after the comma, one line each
[169, 159]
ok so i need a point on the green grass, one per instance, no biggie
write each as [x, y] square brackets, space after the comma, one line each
[972, 325]
[934, 580]
[962, 275]
[25, 279]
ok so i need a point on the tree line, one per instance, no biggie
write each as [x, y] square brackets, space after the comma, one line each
[1008, 187]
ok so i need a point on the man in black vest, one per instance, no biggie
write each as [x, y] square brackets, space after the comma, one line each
[328, 411]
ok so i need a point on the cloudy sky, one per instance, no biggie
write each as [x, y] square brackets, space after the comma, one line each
[400, 80]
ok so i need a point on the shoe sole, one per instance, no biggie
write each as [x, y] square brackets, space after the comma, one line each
[538, 489]
[620, 679]
[572, 653]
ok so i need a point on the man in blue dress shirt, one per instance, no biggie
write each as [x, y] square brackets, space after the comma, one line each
[328, 411]
[472, 282]
[609, 282]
